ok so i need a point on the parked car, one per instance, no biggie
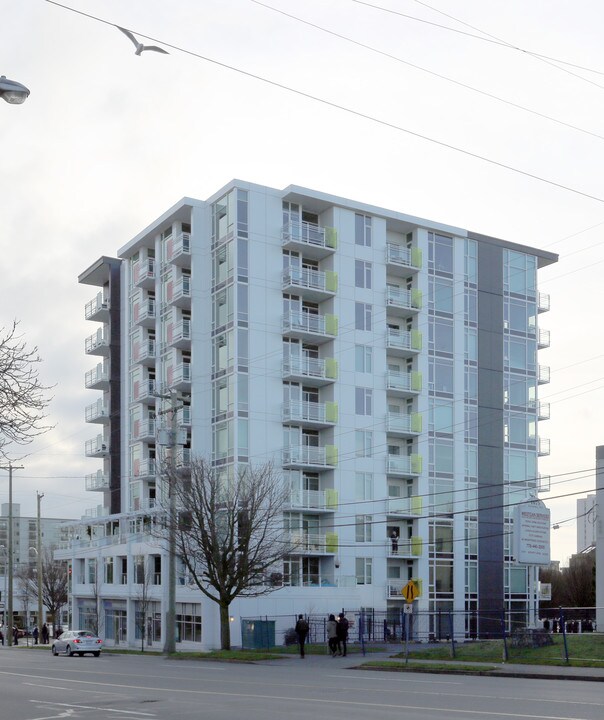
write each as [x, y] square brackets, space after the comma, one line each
[77, 642]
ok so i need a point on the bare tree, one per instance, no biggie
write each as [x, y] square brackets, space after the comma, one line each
[55, 583]
[143, 578]
[229, 532]
[23, 397]
[26, 582]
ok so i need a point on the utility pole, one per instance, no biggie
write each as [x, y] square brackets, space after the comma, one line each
[39, 497]
[9, 604]
[170, 629]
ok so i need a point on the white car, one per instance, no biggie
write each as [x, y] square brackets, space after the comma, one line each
[77, 642]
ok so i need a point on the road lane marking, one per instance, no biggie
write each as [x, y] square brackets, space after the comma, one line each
[409, 680]
[92, 707]
[52, 687]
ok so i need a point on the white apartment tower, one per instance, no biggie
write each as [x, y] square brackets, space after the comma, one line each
[386, 364]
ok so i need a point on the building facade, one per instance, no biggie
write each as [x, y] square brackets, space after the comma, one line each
[386, 364]
[586, 523]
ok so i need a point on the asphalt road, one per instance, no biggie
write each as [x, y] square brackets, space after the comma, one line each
[36, 686]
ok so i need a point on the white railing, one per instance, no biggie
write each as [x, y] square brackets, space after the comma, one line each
[543, 373]
[146, 351]
[304, 455]
[400, 464]
[147, 468]
[399, 506]
[181, 245]
[182, 288]
[182, 331]
[95, 341]
[146, 388]
[95, 376]
[304, 322]
[304, 278]
[308, 499]
[144, 270]
[95, 446]
[398, 381]
[304, 232]
[181, 374]
[399, 297]
[146, 428]
[399, 422]
[97, 481]
[307, 542]
[95, 306]
[398, 255]
[399, 339]
[301, 410]
[146, 310]
[305, 366]
[96, 410]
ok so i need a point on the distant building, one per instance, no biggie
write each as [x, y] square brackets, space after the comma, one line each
[386, 364]
[586, 523]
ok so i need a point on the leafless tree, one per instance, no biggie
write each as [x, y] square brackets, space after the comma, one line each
[23, 397]
[143, 579]
[26, 582]
[55, 582]
[229, 532]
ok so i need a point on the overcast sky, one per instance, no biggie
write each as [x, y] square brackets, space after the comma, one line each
[107, 141]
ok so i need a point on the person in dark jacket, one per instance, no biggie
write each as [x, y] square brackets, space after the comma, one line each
[342, 633]
[332, 635]
[302, 632]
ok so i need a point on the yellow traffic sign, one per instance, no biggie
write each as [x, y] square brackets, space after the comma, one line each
[410, 591]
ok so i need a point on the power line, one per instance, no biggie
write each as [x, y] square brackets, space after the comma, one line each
[349, 110]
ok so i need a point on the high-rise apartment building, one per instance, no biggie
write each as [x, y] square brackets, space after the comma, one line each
[387, 366]
[586, 523]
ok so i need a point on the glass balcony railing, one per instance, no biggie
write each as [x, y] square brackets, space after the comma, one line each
[306, 279]
[408, 465]
[310, 368]
[309, 324]
[304, 542]
[314, 499]
[409, 300]
[403, 423]
[301, 455]
[404, 382]
[410, 258]
[309, 234]
[311, 412]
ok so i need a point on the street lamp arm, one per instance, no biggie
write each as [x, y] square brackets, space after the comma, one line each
[13, 92]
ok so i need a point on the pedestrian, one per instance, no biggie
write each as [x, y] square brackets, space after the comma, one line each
[44, 634]
[35, 635]
[1, 637]
[342, 633]
[301, 632]
[332, 635]
[394, 541]
[15, 636]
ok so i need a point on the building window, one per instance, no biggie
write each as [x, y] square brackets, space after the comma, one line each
[92, 571]
[362, 401]
[139, 570]
[362, 528]
[363, 485]
[362, 230]
[362, 274]
[108, 571]
[362, 316]
[363, 443]
[188, 622]
[363, 358]
[363, 571]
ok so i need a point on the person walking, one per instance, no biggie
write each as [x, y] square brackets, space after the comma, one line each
[15, 635]
[332, 635]
[302, 632]
[44, 634]
[35, 634]
[342, 633]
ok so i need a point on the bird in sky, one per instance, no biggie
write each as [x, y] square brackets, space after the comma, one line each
[138, 45]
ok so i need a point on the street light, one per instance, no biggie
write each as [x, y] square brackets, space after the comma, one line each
[13, 92]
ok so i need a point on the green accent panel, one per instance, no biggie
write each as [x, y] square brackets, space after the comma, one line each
[416, 464]
[416, 422]
[416, 504]
[331, 542]
[331, 368]
[416, 257]
[331, 454]
[419, 585]
[331, 281]
[417, 545]
[331, 324]
[416, 339]
[416, 381]
[331, 412]
[331, 237]
[331, 498]
[416, 298]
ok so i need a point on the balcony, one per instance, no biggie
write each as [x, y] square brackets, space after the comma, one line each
[403, 384]
[178, 249]
[542, 302]
[543, 339]
[179, 377]
[543, 446]
[312, 328]
[316, 500]
[401, 302]
[179, 293]
[403, 343]
[312, 544]
[97, 481]
[179, 334]
[406, 549]
[97, 378]
[182, 461]
[144, 313]
[144, 274]
[97, 412]
[310, 414]
[144, 391]
[544, 483]
[542, 408]
[96, 447]
[543, 374]
[305, 456]
[97, 309]
[394, 591]
[403, 261]
[404, 507]
[403, 424]
[312, 285]
[183, 417]
[144, 352]
[97, 343]
[144, 468]
[404, 465]
[143, 430]
[314, 372]
[314, 241]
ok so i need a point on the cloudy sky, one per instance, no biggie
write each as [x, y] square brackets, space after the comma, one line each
[107, 141]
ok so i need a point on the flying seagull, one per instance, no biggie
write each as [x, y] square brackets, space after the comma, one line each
[138, 45]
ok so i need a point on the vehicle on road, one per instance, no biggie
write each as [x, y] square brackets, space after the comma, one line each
[77, 642]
